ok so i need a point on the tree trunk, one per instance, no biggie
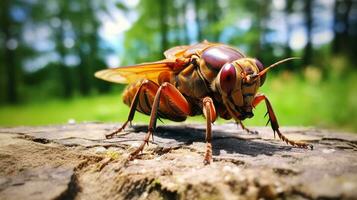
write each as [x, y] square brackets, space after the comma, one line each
[64, 71]
[341, 26]
[288, 11]
[260, 27]
[84, 66]
[175, 24]
[185, 25]
[163, 25]
[308, 52]
[213, 16]
[9, 53]
[83, 75]
[197, 4]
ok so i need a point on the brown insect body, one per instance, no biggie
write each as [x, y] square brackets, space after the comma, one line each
[193, 81]
[207, 78]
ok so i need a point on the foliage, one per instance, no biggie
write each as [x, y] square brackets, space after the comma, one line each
[49, 52]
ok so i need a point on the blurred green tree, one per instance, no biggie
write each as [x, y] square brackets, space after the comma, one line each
[74, 50]
[10, 32]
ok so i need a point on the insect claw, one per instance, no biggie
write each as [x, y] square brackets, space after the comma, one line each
[131, 157]
[206, 162]
[160, 120]
[266, 114]
[267, 122]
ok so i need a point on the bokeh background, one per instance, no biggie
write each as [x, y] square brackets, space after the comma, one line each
[50, 49]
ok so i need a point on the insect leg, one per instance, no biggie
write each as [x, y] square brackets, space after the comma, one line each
[166, 94]
[146, 84]
[247, 129]
[210, 115]
[274, 122]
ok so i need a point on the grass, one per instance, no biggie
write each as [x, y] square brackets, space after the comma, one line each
[297, 101]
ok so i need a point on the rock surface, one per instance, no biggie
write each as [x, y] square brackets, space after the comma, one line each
[77, 162]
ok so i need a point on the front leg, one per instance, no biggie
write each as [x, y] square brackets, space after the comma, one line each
[209, 112]
[247, 129]
[274, 122]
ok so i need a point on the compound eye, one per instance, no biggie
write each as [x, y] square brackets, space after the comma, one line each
[228, 78]
[260, 67]
[259, 64]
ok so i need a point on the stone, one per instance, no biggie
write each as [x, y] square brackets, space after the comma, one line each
[76, 161]
[39, 183]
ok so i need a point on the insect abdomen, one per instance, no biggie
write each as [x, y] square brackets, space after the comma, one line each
[146, 95]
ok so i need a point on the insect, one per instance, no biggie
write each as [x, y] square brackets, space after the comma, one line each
[212, 79]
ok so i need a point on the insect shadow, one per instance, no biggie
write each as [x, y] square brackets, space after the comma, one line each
[184, 135]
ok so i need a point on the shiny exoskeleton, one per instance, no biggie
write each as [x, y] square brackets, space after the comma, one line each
[212, 79]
